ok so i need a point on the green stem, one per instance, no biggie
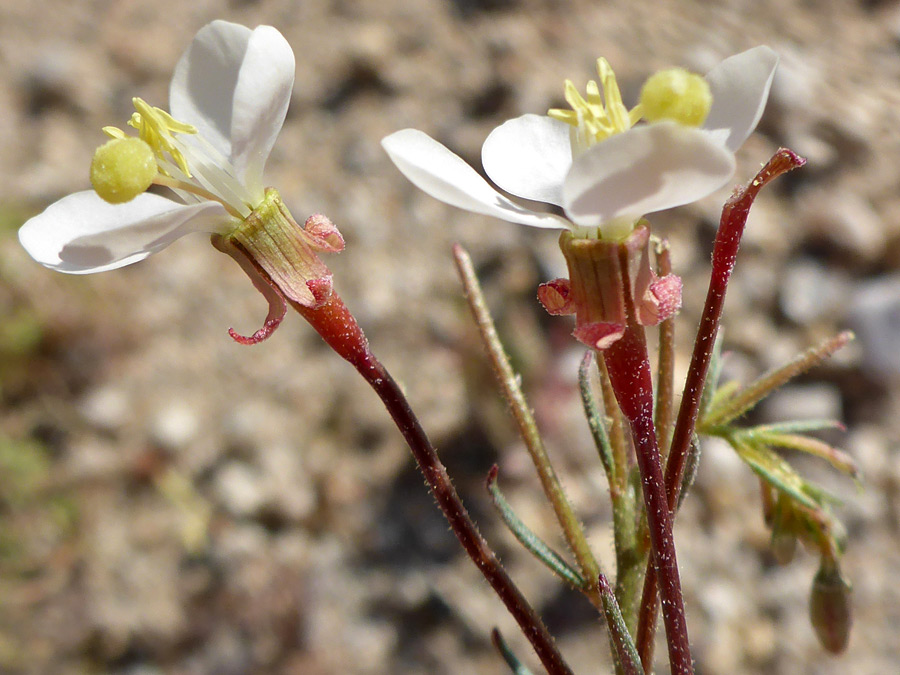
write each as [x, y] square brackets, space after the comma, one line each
[665, 372]
[616, 429]
[512, 391]
[629, 561]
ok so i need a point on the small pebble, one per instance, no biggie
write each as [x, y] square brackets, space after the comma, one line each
[239, 489]
[875, 316]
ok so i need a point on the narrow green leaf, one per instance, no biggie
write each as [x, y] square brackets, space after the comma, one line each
[712, 377]
[757, 390]
[596, 419]
[775, 469]
[690, 469]
[516, 666]
[812, 446]
[534, 544]
[718, 399]
[800, 426]
[627, 653]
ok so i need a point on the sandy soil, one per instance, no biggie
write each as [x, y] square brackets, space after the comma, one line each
[172, 502]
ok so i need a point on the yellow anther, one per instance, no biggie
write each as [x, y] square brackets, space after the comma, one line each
[114, 132]
[678, 95]
[615, 109]
[155, 127]
[122, 169]
[635, 114]
[600, 113]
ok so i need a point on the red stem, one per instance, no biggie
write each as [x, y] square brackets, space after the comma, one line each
[337, 326]
[728, 240]
[628, 363]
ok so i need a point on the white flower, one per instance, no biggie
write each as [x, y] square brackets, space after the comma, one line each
[230, 91]
[604, 183]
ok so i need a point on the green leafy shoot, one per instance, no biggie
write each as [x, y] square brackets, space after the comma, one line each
[534, 544]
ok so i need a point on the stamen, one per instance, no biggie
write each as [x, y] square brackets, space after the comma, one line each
[174, 184]
[615, 108]
[190, 166]
[209, 177]
[597, 115]
[218, 160]
[154, 127]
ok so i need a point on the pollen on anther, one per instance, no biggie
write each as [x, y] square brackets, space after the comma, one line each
[122, 169]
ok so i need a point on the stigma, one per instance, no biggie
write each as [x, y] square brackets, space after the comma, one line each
[171, 154]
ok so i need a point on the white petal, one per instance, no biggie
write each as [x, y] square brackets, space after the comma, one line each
[646, 169]
[740, 88]
[260, 103]
[205, 78]
[433, 168]
[81, 233]
[529, 156]
[235, 85]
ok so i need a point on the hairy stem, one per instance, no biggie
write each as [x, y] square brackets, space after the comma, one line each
[337, 326]
[512, 392]
[728, 240]
[629, 560]
[628, 363]
[665, 372]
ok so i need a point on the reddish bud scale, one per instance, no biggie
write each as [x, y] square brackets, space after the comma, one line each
[287, 252]
[338, 327]
[602, 274]
[281, 259]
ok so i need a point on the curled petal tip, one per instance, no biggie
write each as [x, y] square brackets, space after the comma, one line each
[277, 310]
[262, 283]
[260, 335]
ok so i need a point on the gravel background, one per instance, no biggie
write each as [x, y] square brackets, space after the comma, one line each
[171, 502]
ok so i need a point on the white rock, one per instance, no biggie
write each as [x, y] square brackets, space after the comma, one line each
[175, 425]
[811, 292]
[239, 489]
[105, 408]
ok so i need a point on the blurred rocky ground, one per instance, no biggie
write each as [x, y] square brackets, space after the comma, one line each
[172, 502]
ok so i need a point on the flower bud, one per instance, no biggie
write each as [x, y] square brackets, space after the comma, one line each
[122, 169]
[606, 277]
[829, 607]
[274, 242]
[678, 95]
